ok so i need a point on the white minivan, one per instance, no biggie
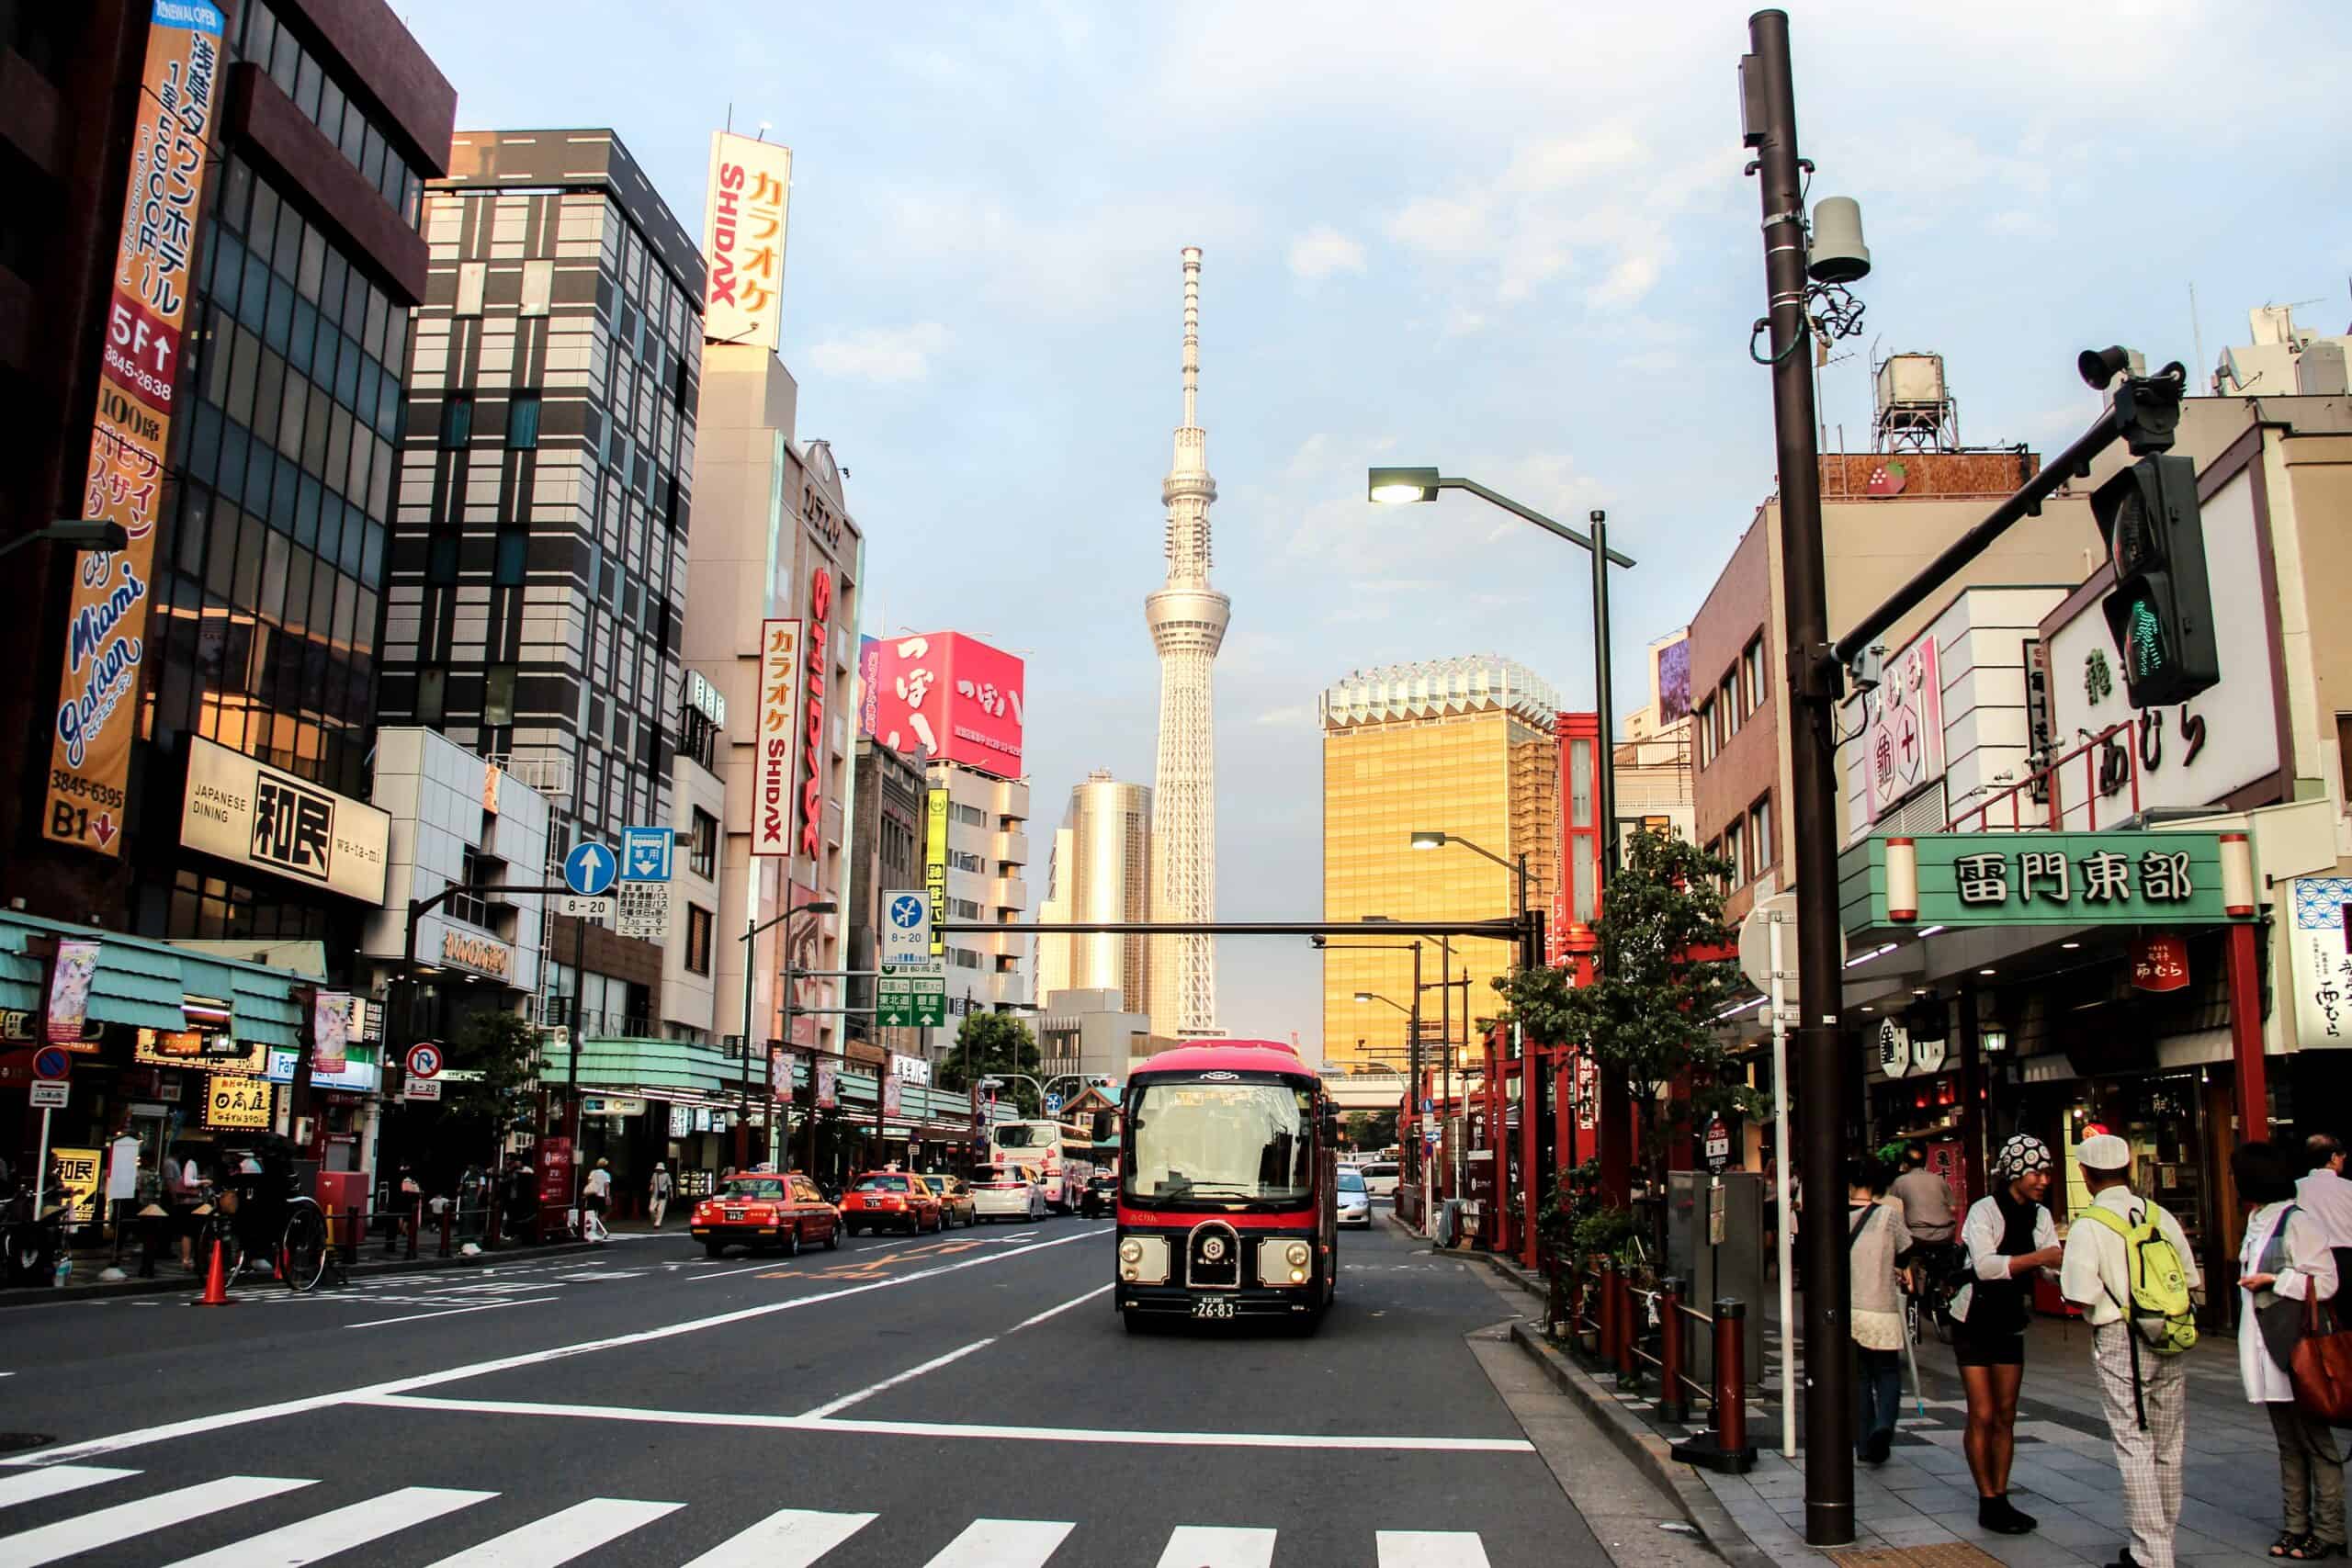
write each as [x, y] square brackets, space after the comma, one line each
[1379, 1177]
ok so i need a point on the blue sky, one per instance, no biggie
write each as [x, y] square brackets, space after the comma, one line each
[1510, 239]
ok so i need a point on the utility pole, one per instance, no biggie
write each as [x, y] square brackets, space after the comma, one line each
[1768, 95]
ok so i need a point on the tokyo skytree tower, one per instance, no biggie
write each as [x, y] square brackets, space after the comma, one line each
[1187, 618]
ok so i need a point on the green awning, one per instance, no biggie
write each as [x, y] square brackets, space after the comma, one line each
[140, 982]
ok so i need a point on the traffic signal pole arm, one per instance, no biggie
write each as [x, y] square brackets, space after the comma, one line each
[2143, 415]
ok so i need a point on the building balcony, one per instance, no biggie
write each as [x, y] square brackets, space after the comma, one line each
[1009, 893]
[1009, 849]
[998, 989]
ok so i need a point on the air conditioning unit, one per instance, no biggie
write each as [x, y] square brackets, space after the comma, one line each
[555, 1039]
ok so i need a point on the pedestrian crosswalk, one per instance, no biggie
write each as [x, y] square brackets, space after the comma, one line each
[358, 1530]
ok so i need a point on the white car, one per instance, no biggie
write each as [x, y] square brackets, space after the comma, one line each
[1354, 1203]
[1379, 1177]
[1006, 1192]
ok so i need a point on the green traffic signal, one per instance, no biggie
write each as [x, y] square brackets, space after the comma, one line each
[2160, 611]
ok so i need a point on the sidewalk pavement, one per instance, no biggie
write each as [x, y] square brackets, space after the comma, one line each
[370, 1259]
[1920, 1506]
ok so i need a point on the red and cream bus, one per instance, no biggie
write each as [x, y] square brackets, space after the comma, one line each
[1227, 1177]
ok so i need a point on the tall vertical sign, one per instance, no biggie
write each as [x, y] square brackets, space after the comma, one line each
[935, 864]
[743, 240]
[98, 699]
[778, 737]
[812, 787]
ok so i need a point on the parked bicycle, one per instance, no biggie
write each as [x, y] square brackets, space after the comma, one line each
[29, 1242]
[261, 1221]
[1928, 1308]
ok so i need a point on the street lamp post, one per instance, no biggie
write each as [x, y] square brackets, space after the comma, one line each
[1431, 839]
[81, 532]
[1769, 126]
[1398, 486]
[751, 930]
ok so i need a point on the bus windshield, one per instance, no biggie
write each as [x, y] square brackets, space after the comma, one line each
[1254, 1141]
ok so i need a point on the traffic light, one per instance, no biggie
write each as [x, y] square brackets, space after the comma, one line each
[2161, 611]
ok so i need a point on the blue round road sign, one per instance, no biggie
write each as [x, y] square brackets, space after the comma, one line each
[906, 913]
[591, 869]
[52, 1062]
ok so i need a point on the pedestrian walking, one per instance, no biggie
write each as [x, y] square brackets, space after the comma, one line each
[595, 1194]
[1928, 1210]
[2326, 1197]
[657, 1201]
[2009, 1238]
[1878, 1240]
[2285, 1262]
[183, 1191]
[2129, 1269]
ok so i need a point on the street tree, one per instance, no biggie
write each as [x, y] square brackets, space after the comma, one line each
[1652, 1007]
[492, 1069]
[1371, 1130]
[993, 1044]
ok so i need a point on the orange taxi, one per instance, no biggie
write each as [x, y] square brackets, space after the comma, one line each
[891, 1199]
[761, 1209]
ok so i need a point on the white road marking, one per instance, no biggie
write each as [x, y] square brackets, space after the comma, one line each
[794, 1538]
[373, 1392]
[339, 1529]
[1207, 1546]
[450, 1311]
[945, 1429]
[845, 1401]
[67, 1538]
[1002, 1543]
[1431, 1548]
[36, 1484]
[561, 1536]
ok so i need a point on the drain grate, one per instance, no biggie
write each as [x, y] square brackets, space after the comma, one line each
[1944, 1554]
[17, 1442]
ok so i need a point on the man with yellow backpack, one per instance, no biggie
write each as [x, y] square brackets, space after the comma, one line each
[2129, 1269]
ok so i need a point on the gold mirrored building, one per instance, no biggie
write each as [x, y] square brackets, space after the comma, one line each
[1459, 746]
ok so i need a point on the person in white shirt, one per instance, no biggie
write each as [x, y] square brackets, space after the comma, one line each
[2284, 1263]
[657, 1198]
[2147, 1394]
[2010, 1236]
[2325, 1196]
[594, 1195]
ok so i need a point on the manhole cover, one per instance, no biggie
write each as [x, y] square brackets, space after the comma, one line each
[17, 1442]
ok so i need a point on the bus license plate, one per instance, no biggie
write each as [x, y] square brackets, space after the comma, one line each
[1212, 1307]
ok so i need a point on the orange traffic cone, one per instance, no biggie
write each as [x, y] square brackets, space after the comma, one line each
[216, 1283]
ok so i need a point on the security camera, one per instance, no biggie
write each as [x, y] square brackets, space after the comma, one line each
[1869, 669]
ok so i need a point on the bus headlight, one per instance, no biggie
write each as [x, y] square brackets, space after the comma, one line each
[1284, 1262]
[1142, 1260]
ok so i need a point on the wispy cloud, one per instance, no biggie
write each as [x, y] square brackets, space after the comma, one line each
[884, 354]
[1320, 252]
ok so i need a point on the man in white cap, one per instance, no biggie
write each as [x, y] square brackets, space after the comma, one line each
[2146, 1394]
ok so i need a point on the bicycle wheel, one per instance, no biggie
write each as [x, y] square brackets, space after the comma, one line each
[302, 1253]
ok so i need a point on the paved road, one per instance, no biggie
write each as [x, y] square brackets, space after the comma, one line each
[970, 1399]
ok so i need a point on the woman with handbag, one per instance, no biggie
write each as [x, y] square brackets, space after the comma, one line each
[1877, 1238]
[2285, 1270]
[2010, 1237]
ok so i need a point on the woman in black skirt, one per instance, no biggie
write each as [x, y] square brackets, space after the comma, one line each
[2008, 1236]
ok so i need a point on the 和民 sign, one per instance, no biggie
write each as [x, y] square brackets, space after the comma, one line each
[2047, 879]
[243, 811]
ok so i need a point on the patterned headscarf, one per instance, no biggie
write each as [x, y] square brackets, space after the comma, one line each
[2021, 1155]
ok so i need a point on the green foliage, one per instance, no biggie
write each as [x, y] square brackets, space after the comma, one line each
[502, 1049]
[993, 1043]
[1371, 1130]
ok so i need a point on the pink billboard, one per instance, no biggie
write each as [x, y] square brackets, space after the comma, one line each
[952, 697]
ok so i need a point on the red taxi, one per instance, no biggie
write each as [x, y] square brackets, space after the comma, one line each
[891, 1199]
[765, 1208]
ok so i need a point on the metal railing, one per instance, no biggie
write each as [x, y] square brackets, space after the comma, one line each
[2038, 804]
[1644, 1332]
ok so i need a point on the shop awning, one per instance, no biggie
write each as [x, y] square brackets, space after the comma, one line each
[140, 982]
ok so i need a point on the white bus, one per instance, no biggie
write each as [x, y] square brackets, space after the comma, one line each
[1042, 1146]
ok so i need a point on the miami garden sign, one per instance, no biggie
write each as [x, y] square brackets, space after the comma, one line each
[2045, 879]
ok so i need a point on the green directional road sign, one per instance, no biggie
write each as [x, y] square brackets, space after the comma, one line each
[910, 1001]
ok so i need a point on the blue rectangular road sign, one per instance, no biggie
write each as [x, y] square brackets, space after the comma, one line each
[645, 853]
